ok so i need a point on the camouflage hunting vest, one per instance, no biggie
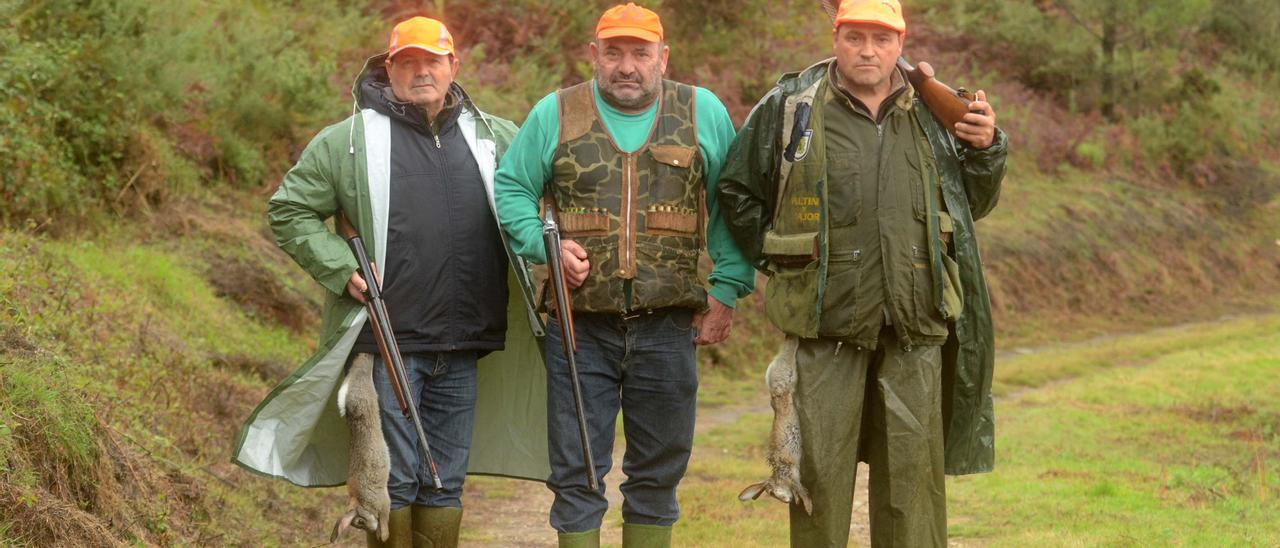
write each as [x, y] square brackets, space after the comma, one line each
[639, 215]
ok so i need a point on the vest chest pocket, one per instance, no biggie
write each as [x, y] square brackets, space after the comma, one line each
[673, 195]
[673, 155]
[917, 180]
[843, 188]
[673, 175]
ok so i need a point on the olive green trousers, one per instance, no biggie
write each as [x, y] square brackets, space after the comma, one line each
[887, 401]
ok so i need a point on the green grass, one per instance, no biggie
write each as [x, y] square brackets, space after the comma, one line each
[120, 360]
[1170, 437]
[1019, 370]
[1184, 449]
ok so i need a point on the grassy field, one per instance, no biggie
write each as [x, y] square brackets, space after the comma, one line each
[1170, 437]
[126, 366]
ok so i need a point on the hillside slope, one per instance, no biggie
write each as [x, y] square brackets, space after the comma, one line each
[144, 309]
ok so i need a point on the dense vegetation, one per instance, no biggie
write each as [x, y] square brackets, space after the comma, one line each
[143, 309]
[114, 106]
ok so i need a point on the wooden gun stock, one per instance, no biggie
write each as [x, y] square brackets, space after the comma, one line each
[947, 104]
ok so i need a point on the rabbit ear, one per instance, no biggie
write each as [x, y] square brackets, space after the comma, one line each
[752, 492]
[804, 501]
[384, 520]
[384, 530]
[342, 524]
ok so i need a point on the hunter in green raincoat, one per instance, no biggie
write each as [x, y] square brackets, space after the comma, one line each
[368, 167]
[846, 191]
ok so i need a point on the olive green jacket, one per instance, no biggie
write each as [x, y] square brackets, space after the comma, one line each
[296, 434]
[970, 183]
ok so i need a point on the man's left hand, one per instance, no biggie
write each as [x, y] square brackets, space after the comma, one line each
[979, 125]
[713, 325]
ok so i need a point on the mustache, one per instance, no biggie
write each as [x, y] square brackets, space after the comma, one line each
[634, 78]
[423, 81]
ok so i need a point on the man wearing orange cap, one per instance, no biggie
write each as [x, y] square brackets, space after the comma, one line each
[846, 191]
[628, 161]
[412, 170]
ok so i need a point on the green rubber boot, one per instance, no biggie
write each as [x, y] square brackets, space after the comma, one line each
[585, 539]
[436, 527]
[401, 531]
[646, 536]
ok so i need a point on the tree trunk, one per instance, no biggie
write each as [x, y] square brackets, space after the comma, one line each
[1109, 63]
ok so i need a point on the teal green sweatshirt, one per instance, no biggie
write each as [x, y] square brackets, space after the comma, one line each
[526, 168]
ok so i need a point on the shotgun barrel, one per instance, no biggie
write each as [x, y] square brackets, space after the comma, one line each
[386, 339]
[564, 317]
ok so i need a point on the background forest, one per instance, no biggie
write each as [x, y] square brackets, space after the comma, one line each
[1134, 259]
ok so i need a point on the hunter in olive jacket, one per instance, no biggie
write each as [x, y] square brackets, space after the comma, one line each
[758, 171]
[296, 434]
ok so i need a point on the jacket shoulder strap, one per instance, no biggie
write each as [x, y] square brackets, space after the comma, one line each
[577, 111]
[797, 133]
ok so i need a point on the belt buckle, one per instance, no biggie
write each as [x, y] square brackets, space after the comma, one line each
[634, 314]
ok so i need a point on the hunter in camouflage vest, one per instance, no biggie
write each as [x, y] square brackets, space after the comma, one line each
[636, 214]
[629, 163]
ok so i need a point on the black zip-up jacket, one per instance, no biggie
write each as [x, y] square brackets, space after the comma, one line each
[446, 274]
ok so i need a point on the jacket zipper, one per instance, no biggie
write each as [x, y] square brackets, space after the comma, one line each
[890, 302]
[628, 238]
[445, 179]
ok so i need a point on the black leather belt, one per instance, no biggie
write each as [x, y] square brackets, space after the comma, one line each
[635, 314]
[627, 315]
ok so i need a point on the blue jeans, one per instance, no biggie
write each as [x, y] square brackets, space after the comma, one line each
[444, 386]
[644, 366]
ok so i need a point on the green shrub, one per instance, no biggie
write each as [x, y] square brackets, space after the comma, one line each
[1102, 55]
[1092, 153]
[1247, 30]
[95, 94]
[1208, 126]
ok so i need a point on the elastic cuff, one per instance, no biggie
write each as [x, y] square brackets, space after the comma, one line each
[724, 293]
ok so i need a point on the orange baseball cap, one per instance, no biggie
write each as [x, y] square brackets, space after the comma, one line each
[422, 33]
[886, 13]
[630, 20]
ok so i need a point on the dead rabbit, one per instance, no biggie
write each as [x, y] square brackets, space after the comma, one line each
[370, 462]
[784, 440]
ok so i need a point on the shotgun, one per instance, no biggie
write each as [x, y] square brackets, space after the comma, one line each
[386, 339]
[564, 317]
[947, 104]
